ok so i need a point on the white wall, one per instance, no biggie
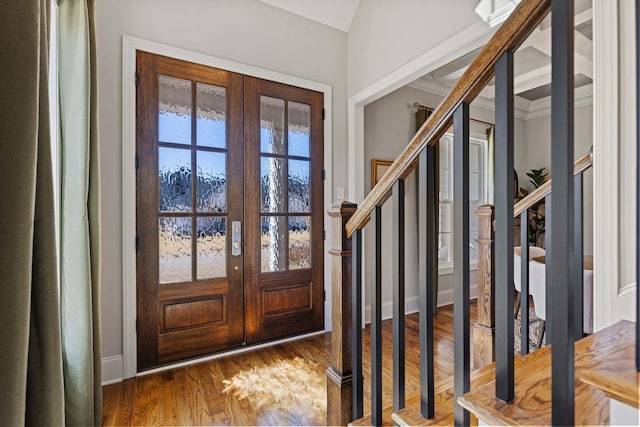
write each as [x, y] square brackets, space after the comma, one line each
[384, 34]
[538, 155]
[247, 31]
[389, 126]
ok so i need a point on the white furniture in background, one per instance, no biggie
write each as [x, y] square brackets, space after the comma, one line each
[537, 288]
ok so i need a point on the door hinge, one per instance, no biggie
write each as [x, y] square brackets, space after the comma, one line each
[324, 113]
[137, 243]
[324, 174]
[324, 234]
[324, 295]
[137, 324]
[137, 161]
[137, 76]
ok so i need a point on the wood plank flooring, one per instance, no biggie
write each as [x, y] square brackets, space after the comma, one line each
[279, 385]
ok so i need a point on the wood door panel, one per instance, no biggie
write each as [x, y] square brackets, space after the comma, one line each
[185, 308]
[175, 346]
[192, 317]
[181, 315]
[289, 301]
[283, 299]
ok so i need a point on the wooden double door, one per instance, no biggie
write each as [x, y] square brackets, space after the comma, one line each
[229, 210]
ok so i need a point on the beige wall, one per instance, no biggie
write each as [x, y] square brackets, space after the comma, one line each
[389, 126]
[246, 31]
[538, 154]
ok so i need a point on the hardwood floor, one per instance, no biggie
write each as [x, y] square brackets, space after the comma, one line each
[279, 385]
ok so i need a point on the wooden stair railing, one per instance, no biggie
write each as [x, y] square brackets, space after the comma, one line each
[345, 397]
[524, 19]
[484, 328]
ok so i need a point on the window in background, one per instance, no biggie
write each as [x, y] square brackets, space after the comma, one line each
[477, 196]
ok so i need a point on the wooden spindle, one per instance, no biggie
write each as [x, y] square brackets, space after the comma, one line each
[484, 329]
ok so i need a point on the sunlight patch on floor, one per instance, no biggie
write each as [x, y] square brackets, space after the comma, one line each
[295, 384]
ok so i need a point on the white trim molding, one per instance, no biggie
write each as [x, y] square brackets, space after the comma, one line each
[129, 47]
[464, 42]
[605, 158]
[112, 369]
[412, 305]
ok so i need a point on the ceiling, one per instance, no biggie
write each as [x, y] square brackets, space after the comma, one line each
[532, 61]
[334, 13]
[532, 67]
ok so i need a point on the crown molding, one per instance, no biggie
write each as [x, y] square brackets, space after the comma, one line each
[583, 96]
[524, 109]
[521, 105]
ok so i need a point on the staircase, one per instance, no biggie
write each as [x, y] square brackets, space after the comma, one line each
[575, 379]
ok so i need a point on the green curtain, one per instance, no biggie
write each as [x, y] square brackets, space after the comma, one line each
[80, 213]
[31, 380]
[50, 363]
[421, 117]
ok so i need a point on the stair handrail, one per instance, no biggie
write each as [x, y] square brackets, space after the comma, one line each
[522, 21]
[580, 165]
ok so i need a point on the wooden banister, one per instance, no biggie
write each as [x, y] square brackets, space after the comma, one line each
[524, 19]
[581, 165]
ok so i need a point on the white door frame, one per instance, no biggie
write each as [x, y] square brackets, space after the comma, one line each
[129, 47]
[613, 131]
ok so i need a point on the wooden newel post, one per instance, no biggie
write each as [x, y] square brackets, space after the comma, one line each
[484, 330]
[339, 379]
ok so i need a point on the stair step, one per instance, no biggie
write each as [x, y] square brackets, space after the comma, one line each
[617, 377]
[411, 416]
[532, 402]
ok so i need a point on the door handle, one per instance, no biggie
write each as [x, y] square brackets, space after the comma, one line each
[236, 238]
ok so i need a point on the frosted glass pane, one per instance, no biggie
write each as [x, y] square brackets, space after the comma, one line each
[174, 121]
[212, 247]
[272, 184]
[299, 242]
[272, 125]
[273, 245]
[174, 179]
[299, 125]
[211, 110]
[299, 186]
[175, 249]
[212, 182]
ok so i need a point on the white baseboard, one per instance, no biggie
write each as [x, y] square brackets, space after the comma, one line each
[445, 297]
[112, 369]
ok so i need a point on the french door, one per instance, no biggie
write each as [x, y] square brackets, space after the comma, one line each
[229, 210]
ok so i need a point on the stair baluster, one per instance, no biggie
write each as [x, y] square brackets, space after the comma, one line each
[461, 362]
[428, 274]
[376, 324]
[562, 277]
[578, 258]
[504, 226]
[398, 296]
[356, 326]
[524, 282]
